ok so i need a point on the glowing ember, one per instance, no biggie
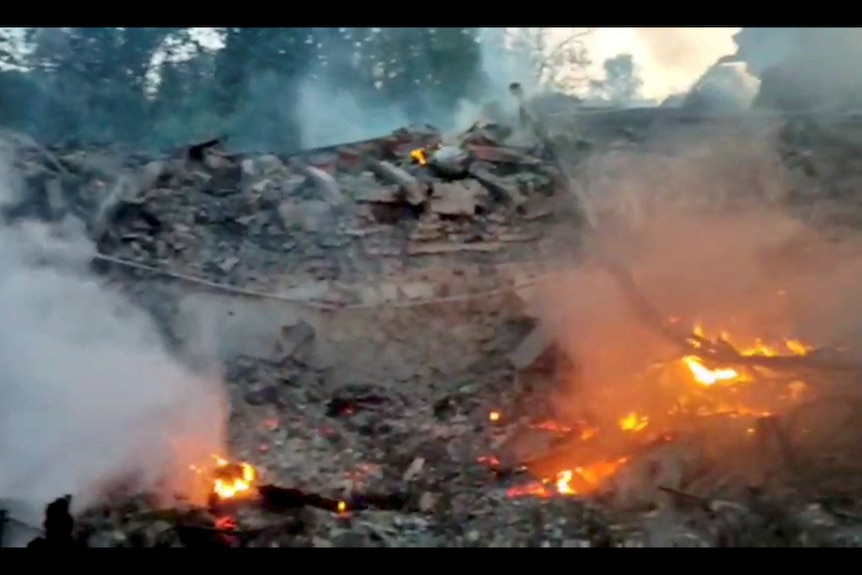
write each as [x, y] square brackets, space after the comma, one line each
[551, 426]
[341, 507]
[706, 399]
[633, 422]
[233, 479]
[578, 481]
[490, 461]
[226, 524]
[564, 482]
[230, 480]
[418, 155]
[705, 376]
[709, 377]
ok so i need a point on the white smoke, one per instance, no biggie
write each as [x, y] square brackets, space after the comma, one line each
[669, 60]
[88, 393]
[331, 115]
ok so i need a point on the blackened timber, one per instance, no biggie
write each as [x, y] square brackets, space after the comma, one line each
[279, 499]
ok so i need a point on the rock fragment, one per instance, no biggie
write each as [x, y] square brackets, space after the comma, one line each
[461, 198]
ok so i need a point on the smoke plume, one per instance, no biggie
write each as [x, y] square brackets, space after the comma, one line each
[330, 114]
[672, 59]
[88, 393]
[709, 242]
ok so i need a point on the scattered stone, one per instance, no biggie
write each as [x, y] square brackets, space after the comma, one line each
[440, 248]
[498, 186]
[418, 291]
[228, 264]
[308, 216]
[463, 198]
[413, 191]
[295, 340]
[325, 184]
[414, 470]
[379, 194]
[268, 164]
[450, 162]
[532, 347]
[427, 502]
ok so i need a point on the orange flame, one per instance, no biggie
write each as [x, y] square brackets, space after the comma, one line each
[589, 478]
[419, 156]
[238, 480]
[578, 481]
[633, 422]
[709, 377]
[230, 480]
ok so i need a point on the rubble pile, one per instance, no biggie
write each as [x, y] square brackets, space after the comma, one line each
[380, 230]
[366, 304]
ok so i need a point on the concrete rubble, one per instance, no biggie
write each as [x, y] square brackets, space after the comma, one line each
[390, 268]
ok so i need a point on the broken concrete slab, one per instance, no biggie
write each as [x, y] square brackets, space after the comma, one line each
[125, 189]
[413, 191]
[498, 186]
[295, 341]
[532, 347]
[324, 183]
[309, 215]
[462, 198]
[418, 290]
[261, 167]
[378, 195]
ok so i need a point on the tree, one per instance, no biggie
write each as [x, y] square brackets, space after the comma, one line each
[257, 76]
[155, 86]
[552, 62]
[92, 81]
[420, 70]
[454, 62]
[621, 83]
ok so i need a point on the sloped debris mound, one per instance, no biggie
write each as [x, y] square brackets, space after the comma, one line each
[420, 458]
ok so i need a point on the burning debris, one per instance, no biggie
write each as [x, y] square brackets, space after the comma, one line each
[227, 480]
[391, 384]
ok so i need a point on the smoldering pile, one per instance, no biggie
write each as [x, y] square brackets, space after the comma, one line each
[413, 428]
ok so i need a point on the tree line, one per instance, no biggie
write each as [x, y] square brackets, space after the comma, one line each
[163, 86]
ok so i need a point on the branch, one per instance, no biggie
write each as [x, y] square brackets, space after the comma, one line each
[546, 61]
[576, 36]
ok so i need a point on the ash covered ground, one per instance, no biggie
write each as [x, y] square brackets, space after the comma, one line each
[366, 308]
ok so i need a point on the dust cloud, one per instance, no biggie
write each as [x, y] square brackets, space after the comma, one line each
[709, 242]
[88, 393]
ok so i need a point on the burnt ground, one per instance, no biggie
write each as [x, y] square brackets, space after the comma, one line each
[374, 383]
[417, 470]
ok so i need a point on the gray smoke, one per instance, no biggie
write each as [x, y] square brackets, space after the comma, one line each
[88, 393]
[809, 67]
[330, 115]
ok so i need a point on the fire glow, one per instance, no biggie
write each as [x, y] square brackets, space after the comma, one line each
[229, 480]
[703, 383]
[419, 156]
[569, 482]
[708, 377]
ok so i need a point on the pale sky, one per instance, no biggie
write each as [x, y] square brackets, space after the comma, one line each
[670, 60]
